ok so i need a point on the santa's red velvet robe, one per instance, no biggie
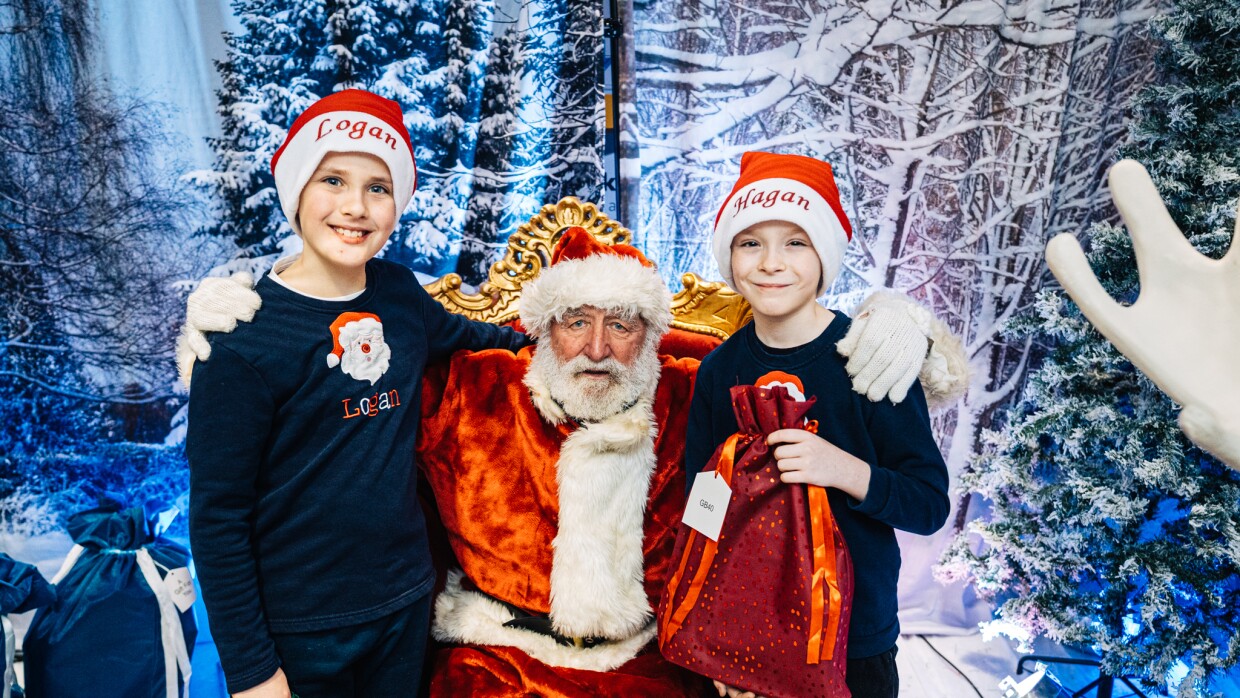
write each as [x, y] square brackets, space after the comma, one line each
[509, 482]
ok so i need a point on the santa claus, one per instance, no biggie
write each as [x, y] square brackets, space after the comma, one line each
[558, 476]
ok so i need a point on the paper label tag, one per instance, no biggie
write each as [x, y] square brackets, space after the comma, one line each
[164, 520]
[708, 502]
[181, 587]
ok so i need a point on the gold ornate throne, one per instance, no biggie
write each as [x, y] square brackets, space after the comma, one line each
[708, 311]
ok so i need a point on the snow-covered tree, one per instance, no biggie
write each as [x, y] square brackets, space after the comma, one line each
[289, 54]
[434, 58]
[962, 136]
[567, 68]
[464, 67]
[502, 144]
[542, 133]
[86, 268]
[1108, 528]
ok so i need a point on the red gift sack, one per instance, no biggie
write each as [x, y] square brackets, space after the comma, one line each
[766, 608]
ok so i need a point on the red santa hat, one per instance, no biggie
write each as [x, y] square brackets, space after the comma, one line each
[349, 121]
[587, 272]
[350, 323]
[792, 188]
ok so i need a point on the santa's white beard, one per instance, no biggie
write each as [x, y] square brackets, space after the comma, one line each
[594, 399]
[364, 366]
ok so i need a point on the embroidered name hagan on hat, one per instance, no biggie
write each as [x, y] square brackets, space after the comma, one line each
[793, 188]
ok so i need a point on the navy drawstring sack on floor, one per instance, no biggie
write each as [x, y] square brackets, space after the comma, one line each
[122, 625]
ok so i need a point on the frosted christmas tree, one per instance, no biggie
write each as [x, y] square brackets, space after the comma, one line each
[500, 98]
[289, 54]
[1108, 528]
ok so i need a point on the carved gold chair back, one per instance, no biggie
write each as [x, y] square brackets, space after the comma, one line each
[702, 307]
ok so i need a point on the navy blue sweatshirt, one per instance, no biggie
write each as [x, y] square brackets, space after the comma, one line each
[908, 482]
[303, 511]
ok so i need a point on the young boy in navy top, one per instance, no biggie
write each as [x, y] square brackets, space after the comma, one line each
[779, 241]
[308, 538]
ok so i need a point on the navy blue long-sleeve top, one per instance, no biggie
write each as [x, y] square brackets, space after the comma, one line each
[303, 510]
[908, 481]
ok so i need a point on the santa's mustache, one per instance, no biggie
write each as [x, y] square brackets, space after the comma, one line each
[581, 364]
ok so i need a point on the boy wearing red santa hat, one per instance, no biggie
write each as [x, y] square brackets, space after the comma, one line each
[779, 241]
[307, 534]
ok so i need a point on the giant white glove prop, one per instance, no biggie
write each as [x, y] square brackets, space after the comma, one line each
[886, 348]
[215, 306]
[1184, 329]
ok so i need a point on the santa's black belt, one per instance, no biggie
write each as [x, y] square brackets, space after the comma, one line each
[533, 622]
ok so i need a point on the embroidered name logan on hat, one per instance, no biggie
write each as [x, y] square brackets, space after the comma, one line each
[349, 121]
[356, 130]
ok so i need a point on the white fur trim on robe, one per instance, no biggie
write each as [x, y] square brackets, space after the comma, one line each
[597, 569]
[603, 477]
[467, 617]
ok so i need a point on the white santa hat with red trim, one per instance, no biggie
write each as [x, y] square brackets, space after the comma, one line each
[349, 121]
[587, 272]
[349, 324]
[792, 188]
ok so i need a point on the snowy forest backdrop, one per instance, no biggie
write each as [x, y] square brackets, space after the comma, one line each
[136, 136]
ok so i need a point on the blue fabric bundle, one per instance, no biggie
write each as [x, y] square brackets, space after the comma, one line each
[123, 624]
[22, 589]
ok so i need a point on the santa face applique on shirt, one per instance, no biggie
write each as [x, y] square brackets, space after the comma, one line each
[796, 390]
[358, 346]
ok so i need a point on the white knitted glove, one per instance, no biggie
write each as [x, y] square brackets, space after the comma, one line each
[215, 306]
[1185, 325]
[886, 347]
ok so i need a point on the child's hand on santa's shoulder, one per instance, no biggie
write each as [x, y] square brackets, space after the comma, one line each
[804, 457]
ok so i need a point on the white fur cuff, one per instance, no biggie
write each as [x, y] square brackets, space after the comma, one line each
[468, 617]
